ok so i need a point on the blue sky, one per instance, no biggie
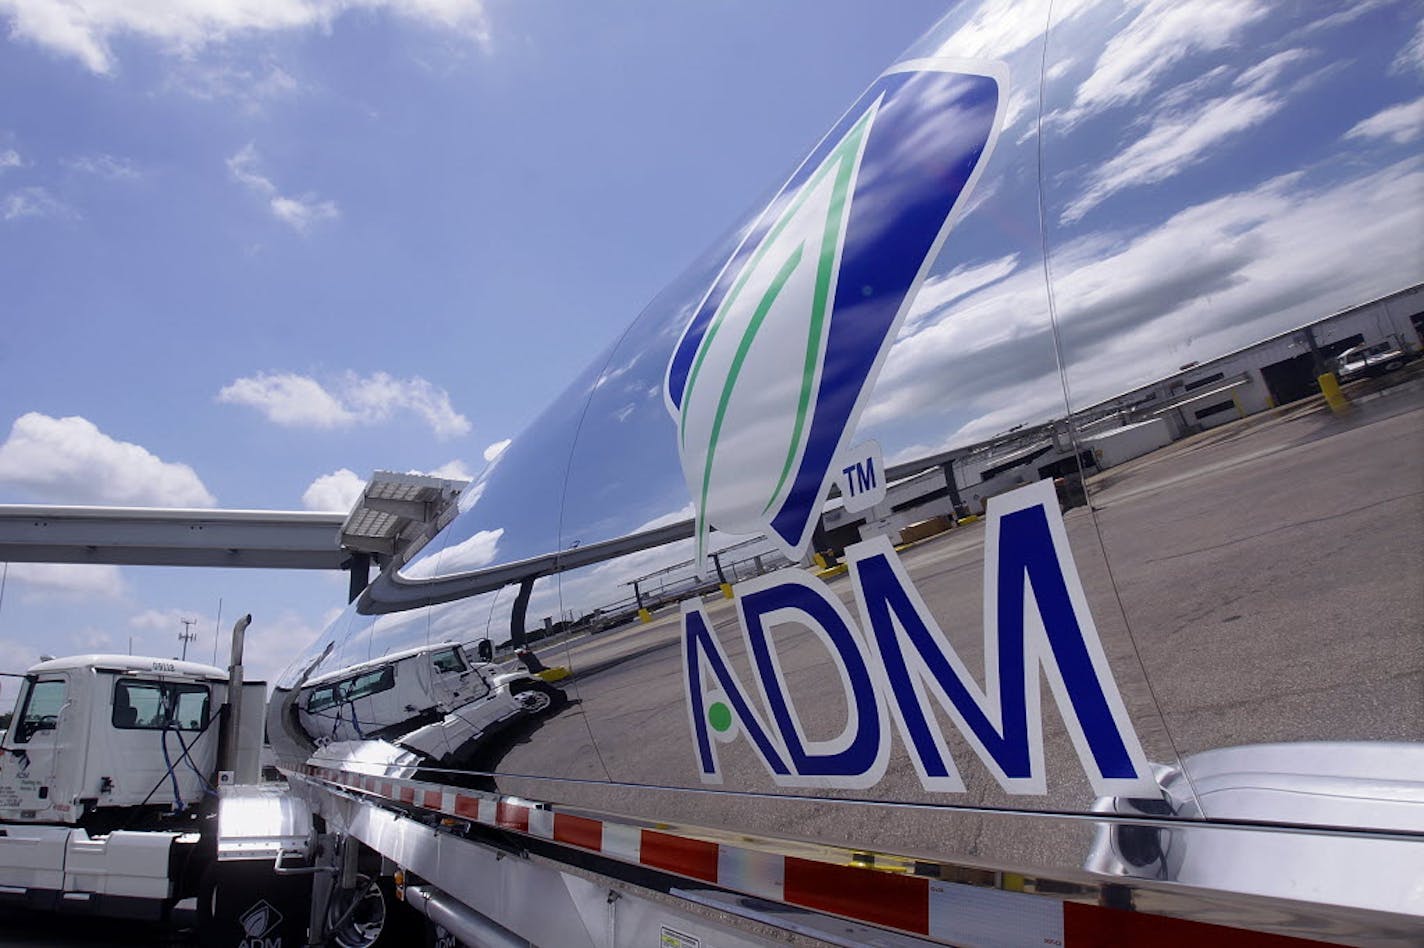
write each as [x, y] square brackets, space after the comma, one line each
[244, 249]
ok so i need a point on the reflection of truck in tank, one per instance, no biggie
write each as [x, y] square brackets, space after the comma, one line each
[432, 699]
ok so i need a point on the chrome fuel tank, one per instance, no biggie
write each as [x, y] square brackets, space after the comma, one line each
[992, 483]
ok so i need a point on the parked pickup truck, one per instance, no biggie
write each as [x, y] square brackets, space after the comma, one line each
[1368, 361]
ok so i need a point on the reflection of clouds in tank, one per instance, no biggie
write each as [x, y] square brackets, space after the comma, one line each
[1275, 254]
[1160, 35]
[1267, 71]
[969, 345]
[1183, 131]
[611, 374]
[1214, 277]
[479, 550]
[1174, 143]
[475, 491]
[939, 292]
[1400, 124]
[1000, 29]
[1411, 57]
[479, 617]
[1347, 13]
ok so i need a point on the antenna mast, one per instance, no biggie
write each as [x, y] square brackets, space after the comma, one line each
[187, 635]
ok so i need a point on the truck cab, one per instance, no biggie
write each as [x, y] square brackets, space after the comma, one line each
[96, 732]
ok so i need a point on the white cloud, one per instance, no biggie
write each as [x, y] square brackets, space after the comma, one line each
[44, 580]
[1401, 124]
[10, 158]
[34, 202]
[165, 620]
[299, 213]
[90, 639]
[15, 658]
[1162, 34]
[293, 401]
[451, 470]
[270, 645]
[376, 396]
[1173, 143]
[337, 491]
[299, 401]
[251, 86]
[496, 449]
[69, 460]
[104, 166]
[84, 29]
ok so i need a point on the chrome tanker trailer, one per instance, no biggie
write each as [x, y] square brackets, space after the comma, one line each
[979, 545]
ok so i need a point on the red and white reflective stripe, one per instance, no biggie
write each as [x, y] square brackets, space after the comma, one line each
[944, 911]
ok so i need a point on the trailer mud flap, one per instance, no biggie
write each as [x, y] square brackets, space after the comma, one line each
[244, 904]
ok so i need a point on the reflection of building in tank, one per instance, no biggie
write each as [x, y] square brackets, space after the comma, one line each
[1200, 396]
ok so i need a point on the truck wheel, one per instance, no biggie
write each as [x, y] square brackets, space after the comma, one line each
[558, 697]
[540, 697]
[377, 919]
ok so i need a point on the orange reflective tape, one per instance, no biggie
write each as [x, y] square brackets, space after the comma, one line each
[689, 857]
[578, 831]
[882, 898]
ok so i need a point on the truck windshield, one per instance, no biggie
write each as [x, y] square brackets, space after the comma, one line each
[448, 660]
[156, 705]
[41, 710]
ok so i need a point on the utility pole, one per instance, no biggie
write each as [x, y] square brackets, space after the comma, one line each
[187, 635]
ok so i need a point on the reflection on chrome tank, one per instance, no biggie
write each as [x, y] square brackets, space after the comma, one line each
[1145, 586]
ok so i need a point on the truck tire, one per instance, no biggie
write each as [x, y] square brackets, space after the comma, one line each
[379, 920]
[545, 698]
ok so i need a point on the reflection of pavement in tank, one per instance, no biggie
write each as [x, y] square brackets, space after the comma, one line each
[1219, 552]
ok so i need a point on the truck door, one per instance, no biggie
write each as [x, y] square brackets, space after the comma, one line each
[149, 726]
[454, 682]
[42, 735]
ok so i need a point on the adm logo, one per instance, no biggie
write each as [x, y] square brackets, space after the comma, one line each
[774, 367]
[766, 385]
[258, 923]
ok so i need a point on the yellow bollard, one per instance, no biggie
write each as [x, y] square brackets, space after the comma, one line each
[1330, 388]
[644, 615]
[726, 590]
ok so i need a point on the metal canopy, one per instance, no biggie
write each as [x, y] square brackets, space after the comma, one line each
[154, 536]
[399, 513]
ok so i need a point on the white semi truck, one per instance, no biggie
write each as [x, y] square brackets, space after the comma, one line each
[109, 777]
[1190, 711]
